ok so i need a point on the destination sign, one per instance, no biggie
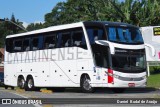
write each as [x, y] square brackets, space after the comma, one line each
[156, 31]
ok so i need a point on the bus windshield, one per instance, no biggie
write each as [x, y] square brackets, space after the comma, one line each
[129, 61]
[125, 35]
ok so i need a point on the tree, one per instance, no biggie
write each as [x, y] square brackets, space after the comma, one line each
[34, 26]
[80, 10]
[7, 28]
[138, 12]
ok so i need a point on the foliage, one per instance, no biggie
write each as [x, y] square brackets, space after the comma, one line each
[153, 81]
[7, 28]
[154, 69]
[137, 12]
[34, 26]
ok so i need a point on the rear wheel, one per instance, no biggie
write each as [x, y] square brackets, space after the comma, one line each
[21, 83]
[6, 87]
[85, 85]
[29, 84]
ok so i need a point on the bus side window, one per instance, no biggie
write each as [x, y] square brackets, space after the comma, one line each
[35, 42]
[50, 41]
[66, 40]
[9, 45]
[79, 39]
[26, 44]
[95, 34]
[17, 46]
[59, 40]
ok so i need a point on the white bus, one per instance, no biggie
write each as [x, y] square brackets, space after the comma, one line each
[84, 54]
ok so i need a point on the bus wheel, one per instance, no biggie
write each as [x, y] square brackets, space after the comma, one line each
[85, 85]
[118, 90]
[21, 83]
[12, 88]
[6, 87]
[29, 84]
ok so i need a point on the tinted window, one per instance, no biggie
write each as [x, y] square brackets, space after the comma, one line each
[100, 54]
[26, 44]
[66, 40]
[50, 41]
[9, 45]
[124, 35]
[79, 39]
[17, 45]
[35, 42]
[129, 61]
[95, 33]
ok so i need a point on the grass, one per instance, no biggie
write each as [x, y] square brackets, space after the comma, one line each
[154, 81]
[154, 78]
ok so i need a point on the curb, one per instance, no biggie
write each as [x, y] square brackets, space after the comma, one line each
[46, 91]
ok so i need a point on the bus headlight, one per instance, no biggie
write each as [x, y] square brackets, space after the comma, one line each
[144, 77]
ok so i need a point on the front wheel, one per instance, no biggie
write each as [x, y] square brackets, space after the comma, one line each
[85, 85]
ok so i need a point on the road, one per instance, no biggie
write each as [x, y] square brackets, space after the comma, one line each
[74, 97]
[7, 94]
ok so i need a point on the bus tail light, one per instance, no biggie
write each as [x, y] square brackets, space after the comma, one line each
[110, 76]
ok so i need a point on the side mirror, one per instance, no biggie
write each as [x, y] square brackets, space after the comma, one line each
[106, 43]
[152, 49]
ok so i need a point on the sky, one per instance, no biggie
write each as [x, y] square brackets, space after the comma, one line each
[27, 11]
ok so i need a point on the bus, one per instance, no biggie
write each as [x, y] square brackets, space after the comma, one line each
[88, 55]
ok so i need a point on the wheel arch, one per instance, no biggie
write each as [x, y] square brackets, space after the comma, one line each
[29, 76]
[83, 75]
[21, 76]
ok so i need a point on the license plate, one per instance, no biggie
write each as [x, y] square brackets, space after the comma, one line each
[131, 84]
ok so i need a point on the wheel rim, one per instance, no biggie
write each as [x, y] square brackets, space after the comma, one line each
[86, 84]
[30, 83]
[22, 82]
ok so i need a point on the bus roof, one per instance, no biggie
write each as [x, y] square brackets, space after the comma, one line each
[48, 29]
[67, 26]
[109, 23]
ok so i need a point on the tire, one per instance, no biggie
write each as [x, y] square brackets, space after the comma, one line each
[29, 86]
[12, 88]
[21, 83]
[85, 85]
[6, 87]
[118, 90]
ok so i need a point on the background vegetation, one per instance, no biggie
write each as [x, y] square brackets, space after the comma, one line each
[137, 12]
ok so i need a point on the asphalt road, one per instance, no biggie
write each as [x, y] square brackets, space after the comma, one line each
[6, 95]
[74, 97]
